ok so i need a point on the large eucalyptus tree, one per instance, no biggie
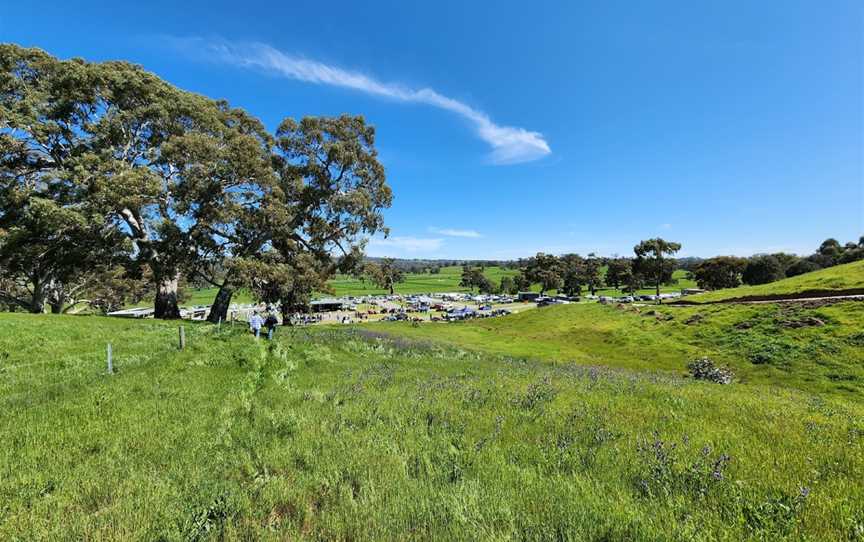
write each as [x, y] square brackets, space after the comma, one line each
[329, 197]
[113, 141]
[101, 157]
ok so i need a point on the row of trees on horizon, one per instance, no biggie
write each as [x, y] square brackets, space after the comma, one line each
[653, 265]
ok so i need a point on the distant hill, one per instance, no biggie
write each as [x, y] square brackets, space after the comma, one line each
[419, 264]
[837, 280]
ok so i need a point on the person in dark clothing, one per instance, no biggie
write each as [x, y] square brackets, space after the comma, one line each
[270, 323]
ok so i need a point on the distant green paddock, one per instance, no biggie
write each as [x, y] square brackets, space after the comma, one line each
[447, 280]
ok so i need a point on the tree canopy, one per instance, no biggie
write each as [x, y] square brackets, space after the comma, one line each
[720, 272]
[385, 274]
[105, 160]
[653, 261]
[544, 269]
[762, 270]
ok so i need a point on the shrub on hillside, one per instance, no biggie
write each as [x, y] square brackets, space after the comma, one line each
[705, 369]
[720, 272]
[802, 266]
[762, 270]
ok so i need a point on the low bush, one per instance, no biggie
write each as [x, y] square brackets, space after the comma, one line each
[705, 369]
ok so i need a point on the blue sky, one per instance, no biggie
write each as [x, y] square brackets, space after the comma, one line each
[508, 128]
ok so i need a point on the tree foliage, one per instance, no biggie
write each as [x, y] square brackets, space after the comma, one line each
[617, 272]
[762, 270]
[385, 274]
[653, 262]
[543, 269]
[508, 286]
[109, 157]
[719, 272]
[473, 277]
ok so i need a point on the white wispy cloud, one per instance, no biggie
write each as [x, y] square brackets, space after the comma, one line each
[404, 244]
[510, 145]
[453, 232]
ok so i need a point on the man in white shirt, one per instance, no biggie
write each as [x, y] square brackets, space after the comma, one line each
[255, 323]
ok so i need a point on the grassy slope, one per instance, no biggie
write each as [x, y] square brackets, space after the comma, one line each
[840, 277]
[331, 436]
[825, 359]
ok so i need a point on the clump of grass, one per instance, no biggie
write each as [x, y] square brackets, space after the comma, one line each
[664, 473]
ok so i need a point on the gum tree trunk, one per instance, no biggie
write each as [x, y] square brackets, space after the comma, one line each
[58, 298]
[37, 303]
[286, 313]
[219, 309]
[166, 307]
[40, 296]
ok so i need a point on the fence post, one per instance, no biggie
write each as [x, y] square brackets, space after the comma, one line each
[110, 360]
[182, 338]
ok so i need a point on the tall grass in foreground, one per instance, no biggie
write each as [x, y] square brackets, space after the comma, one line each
[333, 434]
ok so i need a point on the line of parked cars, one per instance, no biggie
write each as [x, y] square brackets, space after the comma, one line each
[556, 300]
[642, 297]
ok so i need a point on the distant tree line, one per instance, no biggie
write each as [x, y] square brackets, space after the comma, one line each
[730, 271]
[421, 266]
[653, 265]
[115, 185]
[571, 274]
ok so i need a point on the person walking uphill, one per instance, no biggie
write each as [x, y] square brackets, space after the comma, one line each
[255, 323]
[270, 323]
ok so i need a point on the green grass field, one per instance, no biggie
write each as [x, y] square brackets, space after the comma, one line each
[760, 342]
[333, 434]
[447, 280]
[839, 278]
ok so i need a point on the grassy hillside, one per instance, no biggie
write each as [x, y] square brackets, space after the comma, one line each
[326, 434]
[848, 276]
[768, 344]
